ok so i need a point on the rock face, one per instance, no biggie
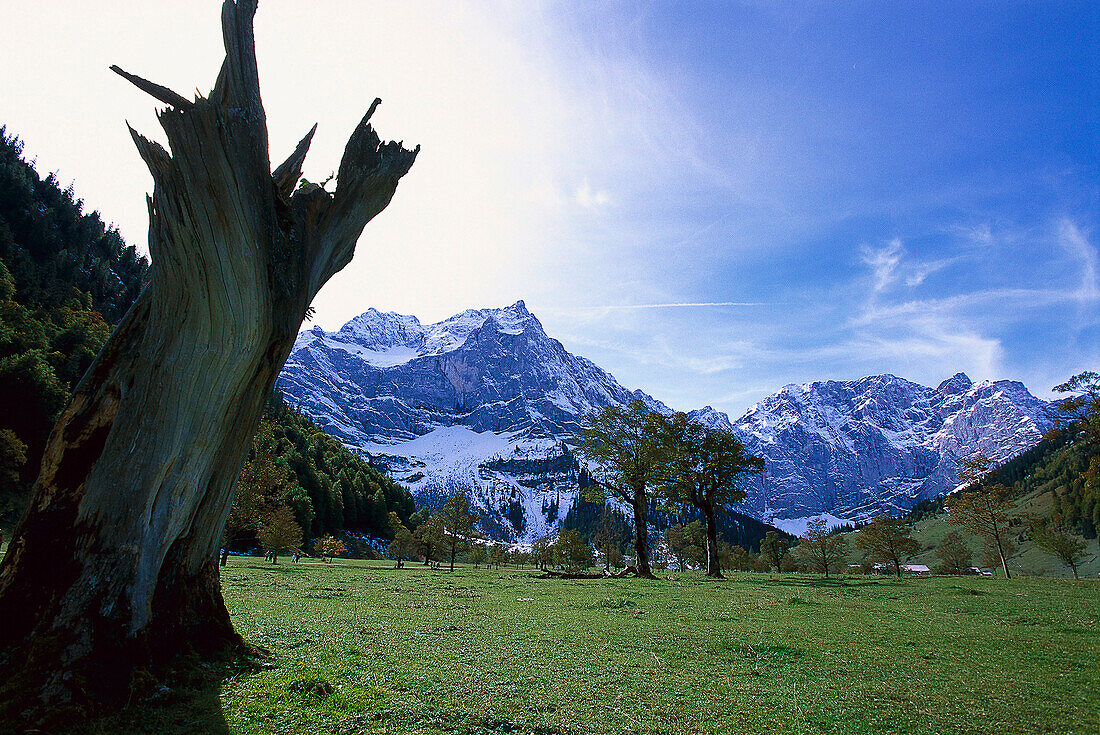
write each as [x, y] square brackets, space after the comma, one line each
[485, 402]
[880, 444]
[480, 403]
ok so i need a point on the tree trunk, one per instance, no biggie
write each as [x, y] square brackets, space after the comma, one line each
[714, 565]
[1000, 550]
[114, 566]
[641, 533]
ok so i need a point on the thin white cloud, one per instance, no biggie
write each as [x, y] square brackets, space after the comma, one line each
[1076, 243]
[891, 264]
[927, 333]
[919, 271]
[681, 305]
[590, 198]
[883, 262]
[1011, 301]
[980, 234]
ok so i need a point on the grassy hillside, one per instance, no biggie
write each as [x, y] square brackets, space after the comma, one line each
[1028, 560]
[362, 648]
[1050, 486]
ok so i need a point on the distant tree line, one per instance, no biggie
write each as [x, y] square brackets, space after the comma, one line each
[324, 487]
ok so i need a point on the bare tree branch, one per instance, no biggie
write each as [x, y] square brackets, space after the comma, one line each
[155, 90]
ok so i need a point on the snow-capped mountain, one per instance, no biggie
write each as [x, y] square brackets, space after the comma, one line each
[485, 402]
[480, 402]
[856, 448]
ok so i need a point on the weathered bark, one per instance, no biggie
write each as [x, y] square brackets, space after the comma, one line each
[641, 533]
[714, 564]
[114, 566]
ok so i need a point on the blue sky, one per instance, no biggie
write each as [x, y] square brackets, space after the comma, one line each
[852, 188]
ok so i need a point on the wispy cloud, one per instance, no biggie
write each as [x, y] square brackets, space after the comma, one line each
[891, 264]
[680, 305]
[980, 234]
[1076, 243]
[928, 333]
[590, 198]
[883, 262]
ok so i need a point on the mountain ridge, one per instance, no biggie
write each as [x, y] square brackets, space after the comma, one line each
[449, 407]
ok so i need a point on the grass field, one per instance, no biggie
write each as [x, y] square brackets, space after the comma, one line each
[358, 647]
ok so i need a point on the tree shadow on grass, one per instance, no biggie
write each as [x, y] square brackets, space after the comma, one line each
[178, 712]
[822, 583]
[183, 699]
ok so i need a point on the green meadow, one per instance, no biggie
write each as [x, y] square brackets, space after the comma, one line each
[361, 647]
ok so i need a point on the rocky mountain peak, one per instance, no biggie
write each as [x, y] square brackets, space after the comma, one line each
[956, 384]
[381, 330]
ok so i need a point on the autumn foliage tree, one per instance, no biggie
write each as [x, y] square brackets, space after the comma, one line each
[982, 508]
[822, 551]
[606, 538]
[114, 568]
[264, 486]
[429, 537]
[1079, 414]
[572, 552]
[1061, 543]
[887, 539]
[543, 551]
[774, 548]
[331, 547]
[678, 543]
[404, 545]
[280, 532]
[456, 523]
[953, 553]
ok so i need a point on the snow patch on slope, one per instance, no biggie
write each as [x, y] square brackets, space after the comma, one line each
[798, 526]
